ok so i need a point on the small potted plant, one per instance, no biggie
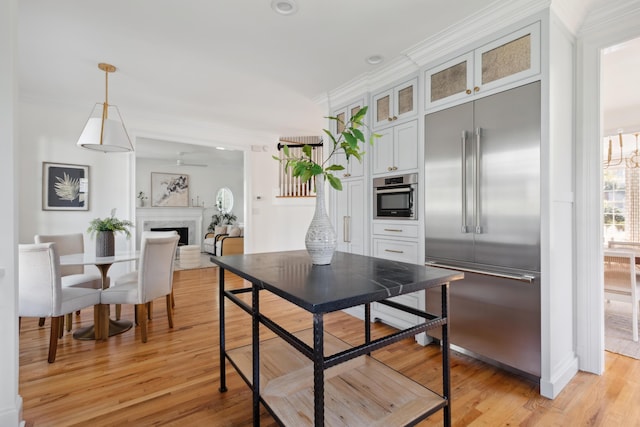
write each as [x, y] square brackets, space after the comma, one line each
[222, 218]
[320, 240]
[141, 197]
[104, 229]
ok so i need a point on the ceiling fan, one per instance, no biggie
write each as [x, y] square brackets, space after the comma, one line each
[180, 161]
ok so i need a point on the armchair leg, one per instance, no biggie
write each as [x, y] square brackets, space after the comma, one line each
[150, 310]
[169, 311]
[56, 325]
[41, 322]
[118, 311]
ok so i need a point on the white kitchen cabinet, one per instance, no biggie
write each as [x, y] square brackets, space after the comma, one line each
[397, 229]
[397, 250]
[355, 168]
[395, 104]
[396, 150]
[350, 220]
[506, 60]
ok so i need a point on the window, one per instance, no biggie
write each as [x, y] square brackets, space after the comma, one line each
[613, 197]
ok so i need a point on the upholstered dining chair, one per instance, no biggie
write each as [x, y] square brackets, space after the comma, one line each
[620, 282]
[40, 290]
[147, 235]
[153, 279]
[72, 275]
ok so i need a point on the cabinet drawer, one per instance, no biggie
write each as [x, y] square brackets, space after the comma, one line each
[396, 230]
[396, 250]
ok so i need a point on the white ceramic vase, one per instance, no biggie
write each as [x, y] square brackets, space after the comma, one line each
[321, 237]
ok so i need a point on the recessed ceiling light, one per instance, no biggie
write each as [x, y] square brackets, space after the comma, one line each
[220, 148]
[284, 7]
[374, 59]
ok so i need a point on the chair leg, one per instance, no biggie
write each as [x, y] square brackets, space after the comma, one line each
[104, 321]
[169, 311]
[41, 322]
[67, 321]
[56, 325]
[173, 300]
[118, 311]
[142, 318]
[150, 310]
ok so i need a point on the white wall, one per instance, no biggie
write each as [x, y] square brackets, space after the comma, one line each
[10, 400]
[275, 224]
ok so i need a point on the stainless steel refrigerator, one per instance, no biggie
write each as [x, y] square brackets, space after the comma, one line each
[482, 216]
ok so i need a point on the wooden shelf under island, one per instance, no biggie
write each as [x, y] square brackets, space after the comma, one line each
[360, 392]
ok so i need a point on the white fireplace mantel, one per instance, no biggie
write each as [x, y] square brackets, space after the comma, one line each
[190, 217]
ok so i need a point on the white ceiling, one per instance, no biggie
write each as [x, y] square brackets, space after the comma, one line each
[232, 63]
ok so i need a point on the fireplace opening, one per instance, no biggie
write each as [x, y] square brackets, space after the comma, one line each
[183, 232]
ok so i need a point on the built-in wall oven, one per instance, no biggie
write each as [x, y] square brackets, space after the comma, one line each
[395, 197]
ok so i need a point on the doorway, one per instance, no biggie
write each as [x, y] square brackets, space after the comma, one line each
[619, 27]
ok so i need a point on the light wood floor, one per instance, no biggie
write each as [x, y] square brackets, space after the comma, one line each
[173, 378]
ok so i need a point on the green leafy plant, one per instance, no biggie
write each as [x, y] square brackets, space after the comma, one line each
[110, 224]
[222, 218]
[141, 196]
[348, 141]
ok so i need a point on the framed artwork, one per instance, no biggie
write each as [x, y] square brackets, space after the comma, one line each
[169, 189]
[65, 187]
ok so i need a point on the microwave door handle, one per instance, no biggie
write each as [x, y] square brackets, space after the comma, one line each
[394, 190]
[464, 182]
[478, 174]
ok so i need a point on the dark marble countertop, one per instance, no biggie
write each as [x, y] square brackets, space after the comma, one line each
[350, 280]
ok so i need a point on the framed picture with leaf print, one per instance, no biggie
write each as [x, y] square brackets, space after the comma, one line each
[65, 187]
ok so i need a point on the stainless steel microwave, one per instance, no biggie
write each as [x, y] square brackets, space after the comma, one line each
[395, 197]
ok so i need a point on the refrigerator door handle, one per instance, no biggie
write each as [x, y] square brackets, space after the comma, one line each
[476, 183]
[528, 278]
[464, 182]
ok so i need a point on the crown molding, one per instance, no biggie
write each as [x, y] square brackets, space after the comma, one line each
[498, 14]
[607, 13]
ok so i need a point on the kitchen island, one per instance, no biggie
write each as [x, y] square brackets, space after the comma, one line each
[310, 377]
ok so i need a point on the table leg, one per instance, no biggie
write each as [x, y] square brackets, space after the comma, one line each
[446, 353]
[223, 375]
[255, 342]
[98, 329]
[318, 370]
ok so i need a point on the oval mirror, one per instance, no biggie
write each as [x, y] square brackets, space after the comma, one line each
[224, 200]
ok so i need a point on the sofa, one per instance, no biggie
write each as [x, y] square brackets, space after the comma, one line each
[224, 240]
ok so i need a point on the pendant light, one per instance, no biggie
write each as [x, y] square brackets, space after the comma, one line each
[104, 130]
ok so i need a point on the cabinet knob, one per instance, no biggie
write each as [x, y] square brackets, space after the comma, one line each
[476, 89]
[390, 119]
[395, 168]
[395, 118]
[468, 91]
[346, 175]
[390, 168]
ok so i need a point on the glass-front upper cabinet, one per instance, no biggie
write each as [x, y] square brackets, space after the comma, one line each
[506, 60]
[354, 168]
[395, 104]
